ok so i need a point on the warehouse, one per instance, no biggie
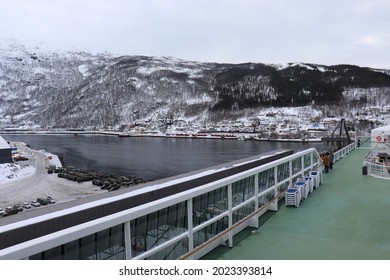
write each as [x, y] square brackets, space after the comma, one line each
[5, 151]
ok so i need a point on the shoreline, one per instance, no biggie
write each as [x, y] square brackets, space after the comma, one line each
[242, 136]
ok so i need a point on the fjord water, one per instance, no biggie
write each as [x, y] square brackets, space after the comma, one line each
[149, 157]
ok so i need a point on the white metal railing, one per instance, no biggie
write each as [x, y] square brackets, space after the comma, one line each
[251, 219]
[344, 151]
[377, 170]
[259, 210]
[124, 217]
[372, 167]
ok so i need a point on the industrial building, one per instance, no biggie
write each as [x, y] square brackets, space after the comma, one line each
[5, 151]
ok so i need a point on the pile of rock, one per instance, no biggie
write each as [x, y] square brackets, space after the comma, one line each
[106, 181]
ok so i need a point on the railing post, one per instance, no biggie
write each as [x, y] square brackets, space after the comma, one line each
[127, 233]
[275, 207]
[256, 191]
[276, 180]
[230, 210]
[190, 226]
[311, 160]
[254, 221]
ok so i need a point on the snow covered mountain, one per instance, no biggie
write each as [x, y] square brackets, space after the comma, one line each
[44, 87]
[32, 77]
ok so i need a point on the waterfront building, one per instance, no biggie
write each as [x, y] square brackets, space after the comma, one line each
[5, 151]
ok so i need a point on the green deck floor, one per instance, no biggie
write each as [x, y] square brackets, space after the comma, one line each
[347, 217]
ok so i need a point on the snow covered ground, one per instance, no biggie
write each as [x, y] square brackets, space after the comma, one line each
[10, 172]
[24, 181]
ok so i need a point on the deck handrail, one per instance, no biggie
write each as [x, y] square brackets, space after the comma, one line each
[377, 170]
[339, 154]
[222, 233]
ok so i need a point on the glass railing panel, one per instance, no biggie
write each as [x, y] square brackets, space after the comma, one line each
[208, 232]
[171, 252]
[243, 190]
[266, 180]
[243, 212]
[209, 205]
[283, 171]
[155, 228]
[296, 165]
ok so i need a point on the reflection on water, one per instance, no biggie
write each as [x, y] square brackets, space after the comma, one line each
[149, 157]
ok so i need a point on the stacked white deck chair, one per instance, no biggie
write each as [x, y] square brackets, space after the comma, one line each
[316, 175]
[301, 188]
[304, 187]
[310, 181]
[293, 196]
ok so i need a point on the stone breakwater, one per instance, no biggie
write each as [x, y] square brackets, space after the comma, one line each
[106, 181]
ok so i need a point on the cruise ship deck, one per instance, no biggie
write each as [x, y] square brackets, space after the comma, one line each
[346, 218]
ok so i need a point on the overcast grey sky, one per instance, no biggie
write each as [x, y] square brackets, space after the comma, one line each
[269, 31]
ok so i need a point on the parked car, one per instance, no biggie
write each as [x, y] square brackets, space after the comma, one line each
[10, 211]
[35, 203]
[42, 201]
[18, 207]
[50, 200]
[1, 211]
[26, 205]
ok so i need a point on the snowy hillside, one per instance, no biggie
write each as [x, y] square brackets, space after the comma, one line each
[30, 76]
[49, 87]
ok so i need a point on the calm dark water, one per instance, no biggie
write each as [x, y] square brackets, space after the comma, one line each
[149, 157]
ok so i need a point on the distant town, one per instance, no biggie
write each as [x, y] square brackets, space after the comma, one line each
[299, 124]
